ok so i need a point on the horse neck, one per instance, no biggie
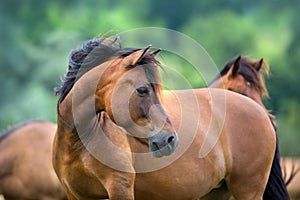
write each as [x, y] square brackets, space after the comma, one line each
[137, 146]
[76, 131]
[65, 112]
[81, 101]
[258, 100]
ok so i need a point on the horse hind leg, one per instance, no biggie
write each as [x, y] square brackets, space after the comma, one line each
[242, 188]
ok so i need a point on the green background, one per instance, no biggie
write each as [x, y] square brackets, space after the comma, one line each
[36, 37]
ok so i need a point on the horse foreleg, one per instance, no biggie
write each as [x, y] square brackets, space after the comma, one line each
[120, 186]
[70, 196]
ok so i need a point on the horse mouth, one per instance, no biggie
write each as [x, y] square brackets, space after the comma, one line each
[163, 146]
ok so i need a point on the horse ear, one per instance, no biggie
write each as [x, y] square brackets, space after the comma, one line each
[236, 66]
[136, 57]
[154, 53]
[258, 64]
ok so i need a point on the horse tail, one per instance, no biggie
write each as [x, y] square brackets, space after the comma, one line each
[276, 187]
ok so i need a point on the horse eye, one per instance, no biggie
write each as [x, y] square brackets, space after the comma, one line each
[142, 91]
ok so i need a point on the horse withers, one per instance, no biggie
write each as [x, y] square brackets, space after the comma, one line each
[113, 113]
[26, 170]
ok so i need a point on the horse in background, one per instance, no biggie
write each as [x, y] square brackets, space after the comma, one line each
[112, 108]
[242, 75]
[26, 170]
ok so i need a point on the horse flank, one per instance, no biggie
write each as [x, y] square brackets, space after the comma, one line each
[250, 70]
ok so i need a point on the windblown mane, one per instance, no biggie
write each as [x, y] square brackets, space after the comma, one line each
[93, 53]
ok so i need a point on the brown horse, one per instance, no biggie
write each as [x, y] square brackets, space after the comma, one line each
[26, 171]
[242, 75]
[291, 173]
[96, 159]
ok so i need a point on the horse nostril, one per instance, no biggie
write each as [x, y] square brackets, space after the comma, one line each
[171, 139]
[155, 145]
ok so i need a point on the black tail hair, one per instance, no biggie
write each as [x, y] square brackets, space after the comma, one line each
[276, 188]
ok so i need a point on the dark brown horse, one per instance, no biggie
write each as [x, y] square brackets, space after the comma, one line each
[242, 75]
[26, 170]
[95, 158]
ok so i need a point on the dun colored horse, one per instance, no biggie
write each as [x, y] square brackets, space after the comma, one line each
[113, 113]
[26, 170]
[242, 75]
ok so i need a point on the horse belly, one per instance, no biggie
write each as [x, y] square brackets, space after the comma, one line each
[189, 177]
[168, 188]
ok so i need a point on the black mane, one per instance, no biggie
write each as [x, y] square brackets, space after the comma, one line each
[90, 54]
[224, 70]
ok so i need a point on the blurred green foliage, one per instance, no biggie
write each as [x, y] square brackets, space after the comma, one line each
[36, 37]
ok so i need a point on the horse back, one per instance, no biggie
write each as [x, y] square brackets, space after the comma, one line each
[218, 111]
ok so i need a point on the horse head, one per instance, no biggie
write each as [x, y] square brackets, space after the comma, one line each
[242, 75]
[128, 87]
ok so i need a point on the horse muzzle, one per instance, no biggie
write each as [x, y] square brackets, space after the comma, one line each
[163, 144]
